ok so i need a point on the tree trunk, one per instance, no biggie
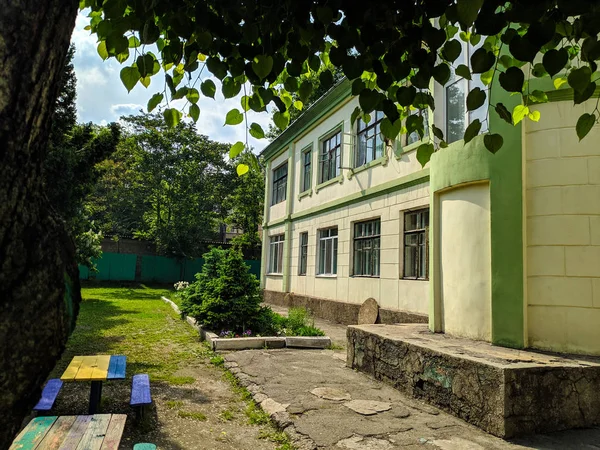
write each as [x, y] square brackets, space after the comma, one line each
[39, 280]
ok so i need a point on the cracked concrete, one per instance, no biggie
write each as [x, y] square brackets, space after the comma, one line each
[287, 377]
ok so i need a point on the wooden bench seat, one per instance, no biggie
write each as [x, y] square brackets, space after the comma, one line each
[49, 394]
[140, 393]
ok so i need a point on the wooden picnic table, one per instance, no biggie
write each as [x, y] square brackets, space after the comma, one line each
[93, 432]
[96, 369]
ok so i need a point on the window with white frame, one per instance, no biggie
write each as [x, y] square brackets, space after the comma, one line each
[276, 254]
[327, 254]
[279, 184]
[367, 238]
[456, 116]
[306, 169]
[303, 253]
[414, 136]
[331, 157]
[416, 244]
[370, 144]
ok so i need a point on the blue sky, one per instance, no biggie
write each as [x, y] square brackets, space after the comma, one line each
[102, 98]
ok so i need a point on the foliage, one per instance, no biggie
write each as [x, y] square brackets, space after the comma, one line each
[299, 322]
[391, 50]
[165, 185]
[225, 295]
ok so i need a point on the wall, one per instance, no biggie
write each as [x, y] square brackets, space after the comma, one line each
[465, 261]
[563, 231]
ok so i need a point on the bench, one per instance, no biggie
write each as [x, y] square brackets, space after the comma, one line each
[140, 393]
[144, 446]
[49, 394]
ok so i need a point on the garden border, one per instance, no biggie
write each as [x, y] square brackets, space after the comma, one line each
[250, 343]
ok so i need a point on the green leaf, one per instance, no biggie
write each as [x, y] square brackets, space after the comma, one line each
[298, 105]
[493, 142]
[305, 90]
[467, 11]
[134, 42]
[154, 101]
[512, 80]
[172, 117]
[558, 82]
[102, 50]
[538, 96]
[236, 149]
[475, 99]
[234, 117]
[441, 73]
[230, 87]
[145, 64]
[487, 77]
[579, 79]
[180, 93]
[463, 71]
[390, 130]
[555, 60]
[368, 100]
[129, 76]
[256, 131]
[245, 102]
[437, 132]
[122, 57]
[145, 81]
[584, 125]
[262, 66]
[519, 113]
[451, 50]
[482, 60]
[534, 116]
[355, 115]
[424, 153]
[472, 130]
[192, 95]
[282, 120]
[406, 95]
[242, 169]
[504, 113]
[150, 33]
[580, 97]
[194, 112]
[208, 88]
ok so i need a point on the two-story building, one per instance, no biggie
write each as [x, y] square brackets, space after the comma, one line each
[498, 247]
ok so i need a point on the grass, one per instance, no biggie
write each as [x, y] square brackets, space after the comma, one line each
[192, 415]
[174, 404]
[227, 415]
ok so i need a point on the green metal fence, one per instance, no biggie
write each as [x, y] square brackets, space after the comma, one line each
[158, 269]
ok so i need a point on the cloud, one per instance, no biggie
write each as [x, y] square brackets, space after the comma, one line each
[102, 98]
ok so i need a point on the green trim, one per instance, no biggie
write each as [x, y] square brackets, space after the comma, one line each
[326, 104]
[306, 193]
[333, 130]
[407, 181]
[400, 151]
[338, 179]
[383, 160]
[276, 223]
[458, 164]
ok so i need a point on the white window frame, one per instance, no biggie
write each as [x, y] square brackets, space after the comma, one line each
[303, 178]
[276, 244]
[374, 124]
[416, 231]
[337, 160]
[374, 249]
[327, 244]
[275, 199]
[303, 253]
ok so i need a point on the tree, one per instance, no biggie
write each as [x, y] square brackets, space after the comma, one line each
[390, 49]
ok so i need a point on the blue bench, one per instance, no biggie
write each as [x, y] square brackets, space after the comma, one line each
[140, 393]
[144, 446]
[49, 394]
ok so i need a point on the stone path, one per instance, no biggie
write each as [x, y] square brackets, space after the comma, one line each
[324, 405]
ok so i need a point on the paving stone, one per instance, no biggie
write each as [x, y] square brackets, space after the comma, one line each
[329, 393]
[307, 341]
[364, 443]
[456, 443]
[367, 407]
[270, 406]
[369, 310]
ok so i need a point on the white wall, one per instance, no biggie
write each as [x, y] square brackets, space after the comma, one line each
[465, 261]
[563, 230]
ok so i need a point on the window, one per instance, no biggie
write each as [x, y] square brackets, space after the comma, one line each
[331, 157]
[366, 248]
[279, 184]
[457, 117]
[306, 169]
[414, 136]
[328, 245]
[276, 254]
[303, 253]
[416, 244]
[370, 141]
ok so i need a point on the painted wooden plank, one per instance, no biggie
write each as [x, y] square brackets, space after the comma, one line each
[72, 369]
[88, 364]
[114, 432]
[116, 369]
[140, 390]
[49, 394]
[57, 434]
[33, 433]
[144, 446]
[101, 370]
[76, 432]
[94, 435]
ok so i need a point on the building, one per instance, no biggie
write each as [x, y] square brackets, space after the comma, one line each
[501, 247]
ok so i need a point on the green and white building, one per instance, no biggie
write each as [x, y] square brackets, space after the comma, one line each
[503, 248]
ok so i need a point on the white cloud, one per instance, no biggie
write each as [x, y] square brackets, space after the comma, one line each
[102, 98]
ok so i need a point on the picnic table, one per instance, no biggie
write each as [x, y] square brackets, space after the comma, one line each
[98, 431]
[96, 369]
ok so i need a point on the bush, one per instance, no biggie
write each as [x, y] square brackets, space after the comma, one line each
[299, 322]
[225, 295]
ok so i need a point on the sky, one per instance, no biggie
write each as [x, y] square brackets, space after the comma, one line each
[102, 98]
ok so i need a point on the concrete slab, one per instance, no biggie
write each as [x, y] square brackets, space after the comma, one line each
[308, 341]
[506, 392]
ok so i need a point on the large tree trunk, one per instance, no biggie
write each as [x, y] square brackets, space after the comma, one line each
[39, 280]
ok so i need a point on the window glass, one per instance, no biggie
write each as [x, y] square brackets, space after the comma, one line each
[306, 171]
[328, 247]
[416, 244]
[414, 136]
[331, 153]
[303, 253]
[367, 248]
[276, 254]
[279, 184]
[370, 144]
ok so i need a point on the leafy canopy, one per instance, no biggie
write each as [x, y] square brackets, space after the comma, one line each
[272, 45]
